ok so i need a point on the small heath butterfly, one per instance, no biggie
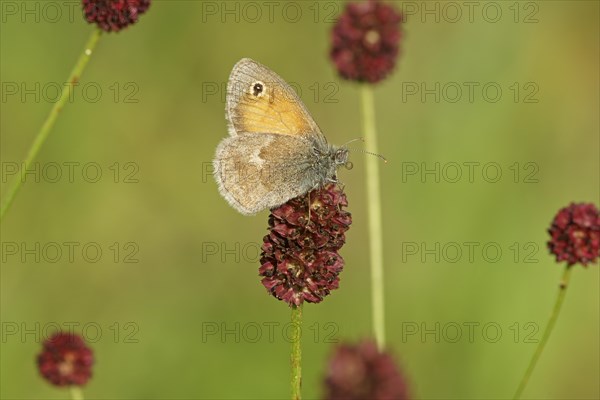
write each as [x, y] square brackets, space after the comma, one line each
[275, 151]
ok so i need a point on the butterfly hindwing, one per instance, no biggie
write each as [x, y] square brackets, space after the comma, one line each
[255, 171]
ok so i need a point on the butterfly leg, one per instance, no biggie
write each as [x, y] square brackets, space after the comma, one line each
[343, 187]
[308, 200]
[333, 179]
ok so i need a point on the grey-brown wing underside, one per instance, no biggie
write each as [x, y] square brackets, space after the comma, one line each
[255, 171]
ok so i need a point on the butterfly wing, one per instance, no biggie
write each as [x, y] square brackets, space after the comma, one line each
[255, 171]
[259, 101]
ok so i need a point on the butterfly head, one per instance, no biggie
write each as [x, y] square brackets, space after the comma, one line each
[340, 157]
[337, 157]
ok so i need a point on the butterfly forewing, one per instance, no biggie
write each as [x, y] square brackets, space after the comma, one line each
[260, 101]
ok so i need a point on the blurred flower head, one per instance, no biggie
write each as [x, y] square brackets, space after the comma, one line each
[65, 360]
[359, 372]
[300, 260]
[575, 234]
[114, 15]
[366, 40]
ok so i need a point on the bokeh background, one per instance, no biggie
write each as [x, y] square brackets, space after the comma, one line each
[161, 127]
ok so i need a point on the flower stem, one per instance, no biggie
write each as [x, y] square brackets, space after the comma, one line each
[51, 119]
[296, 358]
[374, 213]
[551, 322]
[76, 393]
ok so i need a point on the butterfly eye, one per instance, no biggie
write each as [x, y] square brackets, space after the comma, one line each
[341, 156]
[257, 89]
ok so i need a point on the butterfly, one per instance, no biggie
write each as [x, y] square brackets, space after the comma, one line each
[275, 151]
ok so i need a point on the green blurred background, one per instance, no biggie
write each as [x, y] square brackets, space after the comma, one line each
[156, 315]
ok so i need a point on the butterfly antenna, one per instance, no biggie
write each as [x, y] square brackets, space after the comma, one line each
[369, 153]
[353, 140]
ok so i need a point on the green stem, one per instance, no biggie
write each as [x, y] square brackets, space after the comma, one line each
[76, 393]
[41, 136]
[296, 358]
[374, 213]
[551, 322]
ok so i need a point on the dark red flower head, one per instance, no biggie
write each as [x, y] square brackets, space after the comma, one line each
[114, 15]
[300, 260]
[358, 372]
[366, 41]
[575, 234]
[66, 360]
